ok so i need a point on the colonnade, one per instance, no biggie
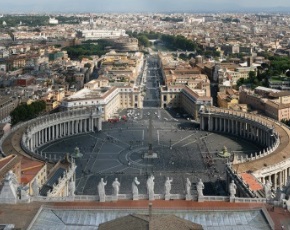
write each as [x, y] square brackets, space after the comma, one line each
[256, 129]
[53, 127]
[239, 126]
[278, 179]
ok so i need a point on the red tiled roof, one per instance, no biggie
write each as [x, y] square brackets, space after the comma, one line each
[5, 160]
[254, 185]
[29, 169]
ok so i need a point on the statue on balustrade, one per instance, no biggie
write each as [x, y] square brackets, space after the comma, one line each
[72, 187]
[167, 186]
[101, 190]
[150, 186]
[188, 187]
[268, 189]
[135, 184]
[199, 188]
[233, 189]
[116, 187]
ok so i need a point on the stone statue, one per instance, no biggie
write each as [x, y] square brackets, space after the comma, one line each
[72, 187]
[267, 189]
[10, 176]
[116, 186]
[135, 184]
[188, 187]
[150, 187]
[199, 188]
[35, 188]
[101, 190]
[233, 189]
[167, 186]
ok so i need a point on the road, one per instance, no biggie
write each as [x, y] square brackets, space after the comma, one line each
[151, 83]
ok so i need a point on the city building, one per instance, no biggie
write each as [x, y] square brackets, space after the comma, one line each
[271, 102]
[7, 105]
[109, 98]
[101, 34]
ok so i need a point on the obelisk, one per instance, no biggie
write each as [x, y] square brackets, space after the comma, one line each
[150, 153]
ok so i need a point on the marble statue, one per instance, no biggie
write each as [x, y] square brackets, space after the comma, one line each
[267, 189]
[71, 187]
[233, 189]
[116, 186]
[101, 190]
[135, 184]
[167, 186]
[188, 187]
[10, 176]
[35, 188]
[150, 187]
[199, 188]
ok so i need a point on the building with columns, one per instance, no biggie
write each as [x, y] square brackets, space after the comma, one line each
[109, 99]
[272, 162]
[184, 97]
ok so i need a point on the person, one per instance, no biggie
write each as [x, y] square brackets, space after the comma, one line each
[232, 188]
[135, 184]
[168, 186]
[200, 187]
[188, 187]
[150, 185]
[101, 189]
[116, 186]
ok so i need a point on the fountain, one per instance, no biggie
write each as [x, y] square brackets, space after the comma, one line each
[77, 153]
[224, 153]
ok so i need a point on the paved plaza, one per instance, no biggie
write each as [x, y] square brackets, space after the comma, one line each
[117, 151]
[183, 150]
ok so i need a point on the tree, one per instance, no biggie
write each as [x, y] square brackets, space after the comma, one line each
[26, 112]
[143, 41]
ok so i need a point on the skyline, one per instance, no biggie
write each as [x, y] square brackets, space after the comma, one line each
[52, 6]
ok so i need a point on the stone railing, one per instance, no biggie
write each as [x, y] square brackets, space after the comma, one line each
[249, 200]
[62, 181]
[110, 198]
[216, 198]
[239, 181]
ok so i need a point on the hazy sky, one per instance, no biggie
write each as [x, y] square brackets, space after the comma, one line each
[136, 5]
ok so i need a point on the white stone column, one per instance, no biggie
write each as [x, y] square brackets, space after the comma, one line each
[91, 124]
[280, 179]
[46, 136]
[275, 181]
[99, 124]
[53, 132]
[32, 142]
[58, 130]
[209, 123]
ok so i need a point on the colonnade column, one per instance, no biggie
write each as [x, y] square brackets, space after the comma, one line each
[99, 124]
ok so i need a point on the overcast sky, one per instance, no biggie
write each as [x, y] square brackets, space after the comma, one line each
[136, 5]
